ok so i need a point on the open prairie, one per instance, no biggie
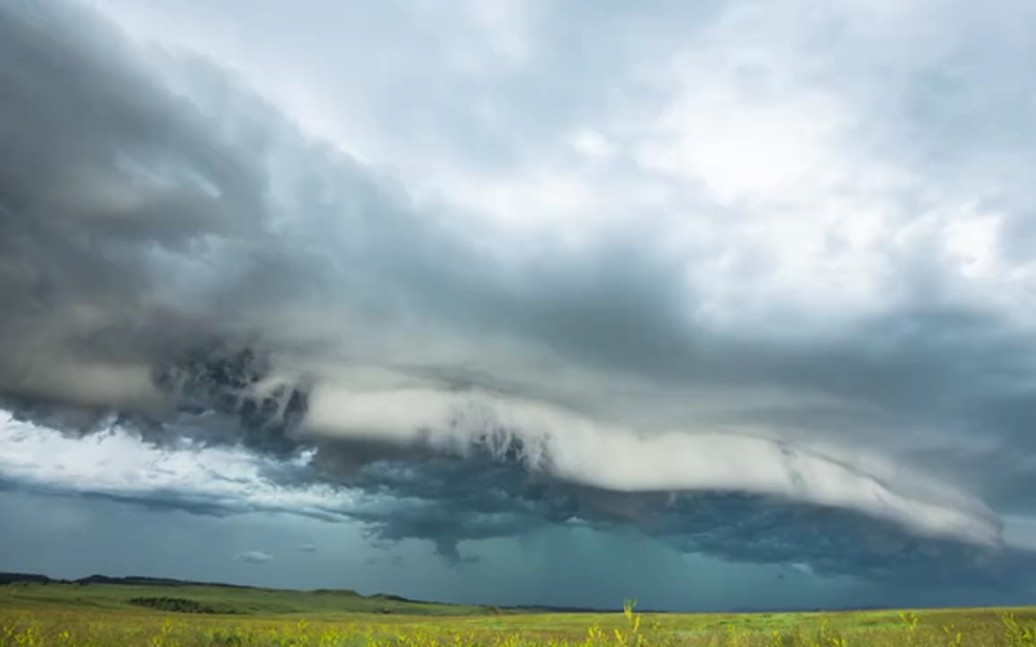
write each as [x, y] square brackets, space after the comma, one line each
[100, 615]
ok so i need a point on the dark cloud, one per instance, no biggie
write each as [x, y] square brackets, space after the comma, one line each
[461, 501]
[179, 262]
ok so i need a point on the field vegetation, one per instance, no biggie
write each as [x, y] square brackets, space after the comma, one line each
[110, 615]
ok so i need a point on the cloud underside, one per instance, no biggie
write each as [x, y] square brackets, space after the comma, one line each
[202, 308]
[450, 500]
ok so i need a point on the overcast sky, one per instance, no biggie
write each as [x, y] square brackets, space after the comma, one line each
[716, 304]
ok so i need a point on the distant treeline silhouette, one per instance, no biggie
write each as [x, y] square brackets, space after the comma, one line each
[180, 605]
[133, 580]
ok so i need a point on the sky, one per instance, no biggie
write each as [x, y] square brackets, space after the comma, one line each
[715, 305]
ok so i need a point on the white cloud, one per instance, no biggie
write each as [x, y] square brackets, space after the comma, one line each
[617, 459]
[592, 144]
[118, 463]
[747, 149]
[503, 30]
[253, 557]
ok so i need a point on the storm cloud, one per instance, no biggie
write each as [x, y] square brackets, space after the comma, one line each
[824, 363]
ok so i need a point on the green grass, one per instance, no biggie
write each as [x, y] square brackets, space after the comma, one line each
[102, 615]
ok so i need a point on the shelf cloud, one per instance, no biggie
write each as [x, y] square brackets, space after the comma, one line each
[819, 356]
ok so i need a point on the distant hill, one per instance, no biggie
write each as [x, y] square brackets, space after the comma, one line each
[9, 578]
[133, 580]
[189, 595]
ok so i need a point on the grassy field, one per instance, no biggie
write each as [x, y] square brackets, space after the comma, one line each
[104, 615]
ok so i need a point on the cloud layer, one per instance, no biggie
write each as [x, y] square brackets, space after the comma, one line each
[799, 344]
